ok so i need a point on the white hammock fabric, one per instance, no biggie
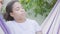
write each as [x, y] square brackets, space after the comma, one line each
[51, 23]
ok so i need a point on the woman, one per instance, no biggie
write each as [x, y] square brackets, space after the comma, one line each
[17, 22]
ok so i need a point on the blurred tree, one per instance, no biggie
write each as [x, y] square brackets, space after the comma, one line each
[41, 7]
[38, 9]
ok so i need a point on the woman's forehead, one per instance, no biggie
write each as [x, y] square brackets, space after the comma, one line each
[17, 4]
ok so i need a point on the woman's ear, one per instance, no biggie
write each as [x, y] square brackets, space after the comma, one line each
[11, 14]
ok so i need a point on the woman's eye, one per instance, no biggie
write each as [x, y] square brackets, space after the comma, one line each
[17, 9]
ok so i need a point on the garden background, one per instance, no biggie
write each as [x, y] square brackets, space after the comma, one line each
[36, 9]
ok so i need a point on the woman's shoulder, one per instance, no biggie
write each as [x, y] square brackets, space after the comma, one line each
[9, 22]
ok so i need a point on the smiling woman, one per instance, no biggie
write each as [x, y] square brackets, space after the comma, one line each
[17, 22]
[4, 27]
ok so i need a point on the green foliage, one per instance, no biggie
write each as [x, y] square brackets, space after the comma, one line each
[42, 7]
[36, 9]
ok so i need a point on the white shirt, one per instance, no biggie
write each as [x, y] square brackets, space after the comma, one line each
[27, 27]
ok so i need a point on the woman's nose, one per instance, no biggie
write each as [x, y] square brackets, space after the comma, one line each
[22, 10]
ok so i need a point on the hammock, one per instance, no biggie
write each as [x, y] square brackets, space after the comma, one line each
[51, 23]
[4, 27]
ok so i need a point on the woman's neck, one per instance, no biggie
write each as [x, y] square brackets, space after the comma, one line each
[20, 20]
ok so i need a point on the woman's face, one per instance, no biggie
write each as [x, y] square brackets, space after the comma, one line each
[18, 11]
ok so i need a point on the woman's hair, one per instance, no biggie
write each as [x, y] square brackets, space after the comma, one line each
[9, 7]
